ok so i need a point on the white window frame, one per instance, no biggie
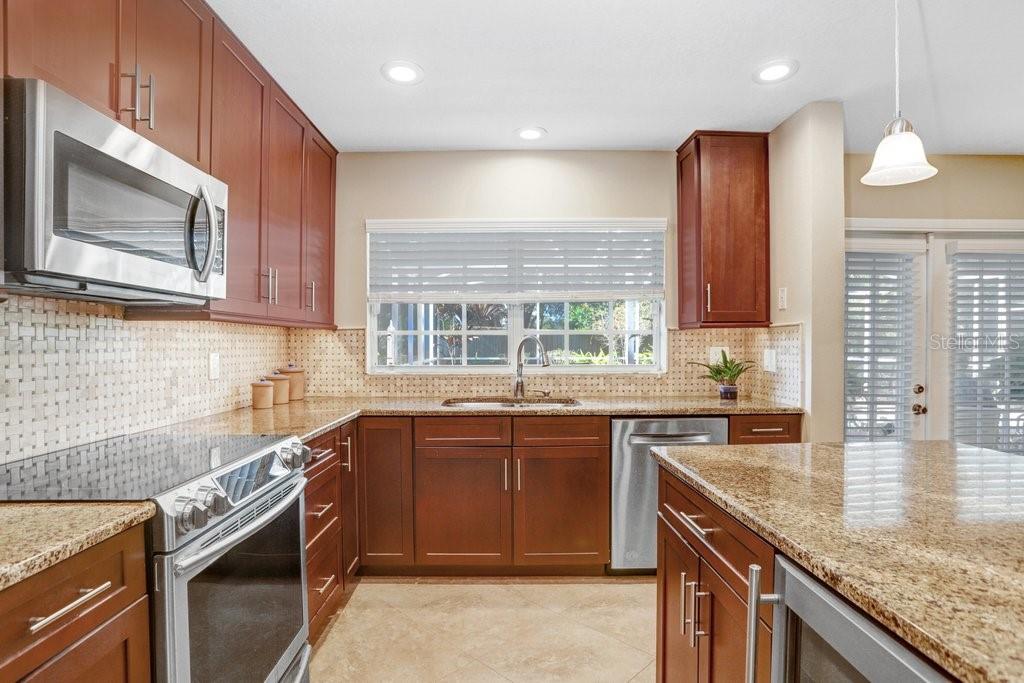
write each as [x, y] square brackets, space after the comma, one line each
[516, 331]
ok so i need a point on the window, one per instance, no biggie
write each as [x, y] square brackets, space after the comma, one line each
[883, 331]
[987, 361]
[455, 297]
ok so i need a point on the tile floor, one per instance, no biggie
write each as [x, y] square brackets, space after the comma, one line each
[492, 630]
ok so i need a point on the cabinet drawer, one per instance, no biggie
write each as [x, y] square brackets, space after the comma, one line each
[764, 429]
[585, 430]
[462, 431]
[323, 506]
[323, 572]
[324, 452]
[720, 540]
[96, 584]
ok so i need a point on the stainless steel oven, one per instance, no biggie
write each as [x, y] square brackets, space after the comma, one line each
[230, 604]
[94, 210]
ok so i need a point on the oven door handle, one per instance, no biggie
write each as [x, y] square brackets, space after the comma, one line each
[220, 546]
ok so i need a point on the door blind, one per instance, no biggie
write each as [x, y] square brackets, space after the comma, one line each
[987, 362]
[881, 323]
[515, 265]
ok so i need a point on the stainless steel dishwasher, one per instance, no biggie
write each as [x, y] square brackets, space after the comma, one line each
[635, 480]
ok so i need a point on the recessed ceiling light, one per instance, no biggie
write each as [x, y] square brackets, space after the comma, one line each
[531, 133]
[402, 72]
[775, 71]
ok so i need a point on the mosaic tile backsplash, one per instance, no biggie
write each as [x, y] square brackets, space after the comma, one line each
[76, 372]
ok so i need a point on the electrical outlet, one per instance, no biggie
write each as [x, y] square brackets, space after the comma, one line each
[783, 298]
[768, 361]
[715, 353]
[214, 366]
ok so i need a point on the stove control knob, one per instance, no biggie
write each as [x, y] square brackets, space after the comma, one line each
[214, 499]
[191, 515]
[295, 456]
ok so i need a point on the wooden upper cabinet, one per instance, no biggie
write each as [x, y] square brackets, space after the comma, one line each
[723, 230]
[82, 47]
[318, 230]
[174, 46]
[238, 156]
[385, 490]
[285, 168]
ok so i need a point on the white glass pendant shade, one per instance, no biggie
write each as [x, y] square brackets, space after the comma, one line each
[899, 158]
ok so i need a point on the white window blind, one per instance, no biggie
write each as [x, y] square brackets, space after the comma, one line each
[881, 324]
[527, 261]
[987, 361]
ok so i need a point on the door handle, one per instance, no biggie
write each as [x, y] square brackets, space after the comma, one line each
[348, 454]
[919, 409]
[683, 621]
[312, 287]
[709, 297]
[695, 631]
[277, 286]
[322, 511]
[37, 624]
[519, 474]
[327, 582]
[213, 243]
[754, 600]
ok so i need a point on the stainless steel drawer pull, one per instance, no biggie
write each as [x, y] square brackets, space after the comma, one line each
[37, 624]
[327, 584]
[690, 523]
[321, 453]
[348, 454]
[322, 511]
[767, 430]
[755, 600]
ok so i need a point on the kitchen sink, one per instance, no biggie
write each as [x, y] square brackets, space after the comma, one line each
[509, 402]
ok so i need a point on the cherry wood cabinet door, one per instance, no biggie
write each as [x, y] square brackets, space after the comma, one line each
[385, 490]
[734, 227]
[463, 506]
[722, 615]
[285, 169]
[678, 565]
[349, 502]
[691, 280]
[318, 230]
[174, 45]
[561, 505]
[239, 156]
[81, 47]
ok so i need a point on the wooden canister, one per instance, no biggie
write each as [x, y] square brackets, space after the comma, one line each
[296, 381]
[280, 388]
[262, 394]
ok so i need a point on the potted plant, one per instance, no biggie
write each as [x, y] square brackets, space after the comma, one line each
[726, 372]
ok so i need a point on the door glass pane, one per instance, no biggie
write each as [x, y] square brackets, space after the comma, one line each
[245, 609]
[102, 201]
[818, 661]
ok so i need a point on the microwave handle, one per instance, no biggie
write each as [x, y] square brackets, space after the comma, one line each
[214, 245]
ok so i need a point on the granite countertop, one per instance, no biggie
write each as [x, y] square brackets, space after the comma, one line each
[35, 536]
[318, 414]
[927, 537]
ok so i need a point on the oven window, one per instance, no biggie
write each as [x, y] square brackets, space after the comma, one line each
[245, 609]
[102, 201]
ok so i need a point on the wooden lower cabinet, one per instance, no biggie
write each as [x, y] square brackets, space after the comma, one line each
[677, 567]
[722, 615]
[385, 476]
[562, 505]
[463, 506]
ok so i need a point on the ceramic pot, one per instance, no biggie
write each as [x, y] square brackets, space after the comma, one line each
[727, 392]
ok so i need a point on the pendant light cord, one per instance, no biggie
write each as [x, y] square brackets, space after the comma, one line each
[896, 17]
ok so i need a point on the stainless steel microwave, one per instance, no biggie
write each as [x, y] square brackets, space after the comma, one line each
[93, 210]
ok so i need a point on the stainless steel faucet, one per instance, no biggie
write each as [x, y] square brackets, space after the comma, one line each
[519, 391]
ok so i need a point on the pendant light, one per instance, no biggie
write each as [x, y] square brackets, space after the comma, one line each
[899, 158]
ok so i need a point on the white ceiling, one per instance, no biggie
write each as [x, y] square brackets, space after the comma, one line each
[640, 74]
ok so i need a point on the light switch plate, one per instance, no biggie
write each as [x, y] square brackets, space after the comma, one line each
[214, 366]
[715, 353]
[768, 361]
[783, 298]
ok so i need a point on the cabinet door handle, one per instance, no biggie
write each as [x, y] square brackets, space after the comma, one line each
[348, 454]
[767, 430]
[136, 94]
[709, 296]
[37, 624]
[504, 470]
[277, 286]
[754, 600]
[327, 583]
[313, 287]
[322, 511]
[695, 631]
[683, 621]
[519, 474]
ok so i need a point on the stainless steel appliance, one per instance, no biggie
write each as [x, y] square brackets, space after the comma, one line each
[635, 480]
[95, 211]
[226, 548]
[818, 636]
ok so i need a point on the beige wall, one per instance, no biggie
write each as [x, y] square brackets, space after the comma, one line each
[807, 245]
[967, 186]
[462, 185]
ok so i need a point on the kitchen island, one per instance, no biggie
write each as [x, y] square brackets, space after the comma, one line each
[926, 538]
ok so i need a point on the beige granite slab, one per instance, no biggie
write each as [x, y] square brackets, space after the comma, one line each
[926, 537]
[35, 536]
[318, 414]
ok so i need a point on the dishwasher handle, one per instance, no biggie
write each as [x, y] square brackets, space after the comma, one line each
[679, 439]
